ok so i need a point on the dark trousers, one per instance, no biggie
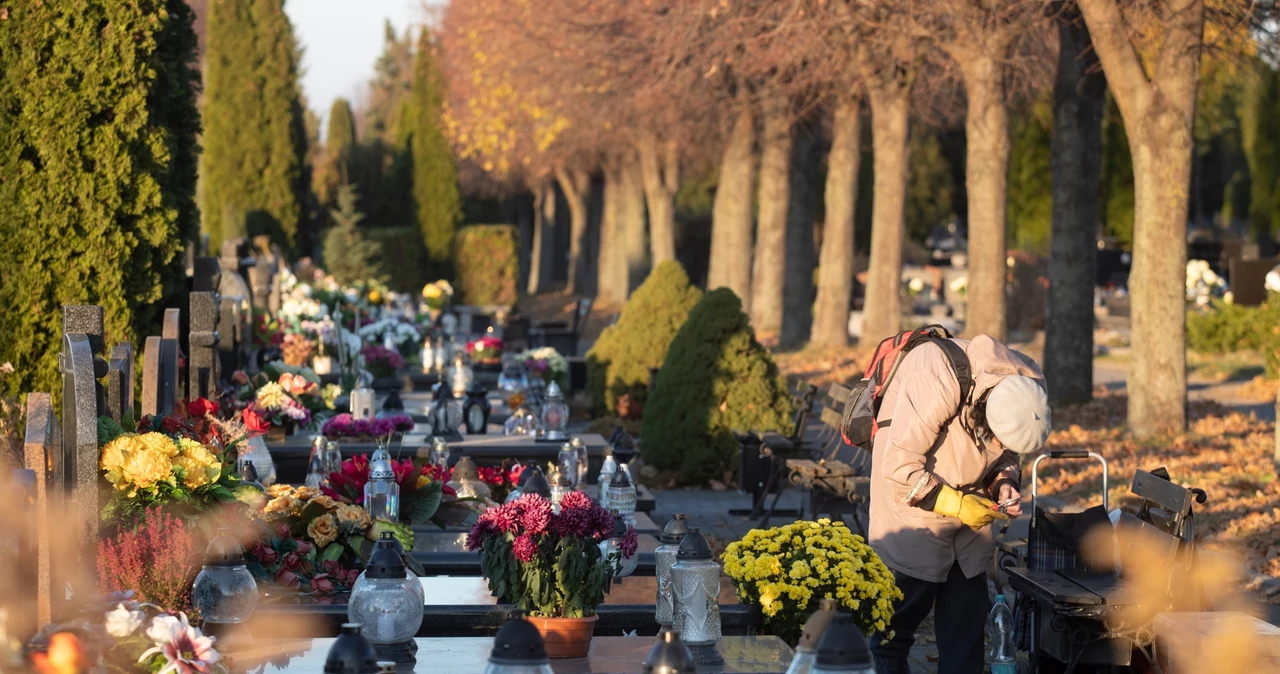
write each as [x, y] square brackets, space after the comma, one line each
[960, 607]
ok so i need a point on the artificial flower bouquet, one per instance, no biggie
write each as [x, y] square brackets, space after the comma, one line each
[437, 295]
[485, 351]
[309, 542]
[548, 564]
[284, 395]
[424, 496]
[786, 570]
[267, 330]
[546, 363]
[381, 429]
[381, 362]
[398, 330]
[297, 349]
[130, 637]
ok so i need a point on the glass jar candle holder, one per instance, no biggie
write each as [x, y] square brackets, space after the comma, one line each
[664, 558]
[224, 592]
[695, 582]
[381, 493]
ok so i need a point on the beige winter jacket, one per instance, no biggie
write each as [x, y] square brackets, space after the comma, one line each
[923, 446]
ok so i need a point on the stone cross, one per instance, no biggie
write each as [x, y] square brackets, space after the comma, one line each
[203, 365]
[120, 381]
[81, 392]
[41, 449]
[171, 385]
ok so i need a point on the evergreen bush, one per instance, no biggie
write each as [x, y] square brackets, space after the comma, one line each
[486, 264]
[1226, 328]
[98, 159]
[435, 177]
[619, 362]
[716, 379]
[403, 257]
[349, 256]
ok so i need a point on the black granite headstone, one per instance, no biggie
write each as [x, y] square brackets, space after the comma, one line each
[120, 381]
[172, 387]
[203, 364]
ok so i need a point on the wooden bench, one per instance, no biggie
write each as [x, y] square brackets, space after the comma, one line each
[835, 487]
[762, 461]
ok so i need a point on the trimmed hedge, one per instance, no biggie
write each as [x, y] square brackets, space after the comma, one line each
[620, 360]
[1225, 328]
[716, 379]
[403, 259]
[486, 264]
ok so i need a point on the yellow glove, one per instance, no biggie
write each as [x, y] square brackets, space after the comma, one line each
[975, 511]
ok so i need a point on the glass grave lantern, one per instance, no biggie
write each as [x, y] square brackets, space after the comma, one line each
[622, 495]
[613, 545]
[381, 493]
[536, 483]
[387, 605]
[664, 558]
[249, 475]
[351, 653]
[842, 648]
[522, 480]
[807, 649]
[513, 377]
[559, 487]
[460, 375]
[567, 463]
[521, 422]
[438, 456]
[224, 592]
[555, 414]
[584, 461]
[466, 480]
[518, 648]
[388, 540]
[332, 456]
[316, 474]
[669, 656]
[695, 583]
[475, 412]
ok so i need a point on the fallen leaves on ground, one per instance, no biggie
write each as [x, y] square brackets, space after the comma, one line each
[823, 367]
[1224, 452]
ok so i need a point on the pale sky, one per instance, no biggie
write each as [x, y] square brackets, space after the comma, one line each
[342, 41]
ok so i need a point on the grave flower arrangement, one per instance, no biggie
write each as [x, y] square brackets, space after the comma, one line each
[381, 362]
[285, 395]
[309, 542]
[547, 363]
[424, 497]
[399, 330]
[1203, 284]
[548, 564]
[381, 428]
[786, 570]
[437, 295]
[487, 350]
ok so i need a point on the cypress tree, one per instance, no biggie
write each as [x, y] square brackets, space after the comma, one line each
[1260, 128]
[98, 166]
[435, 177]
[253, 174]
[341, 136]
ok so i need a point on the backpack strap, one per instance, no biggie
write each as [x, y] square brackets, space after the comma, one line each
[955, 355]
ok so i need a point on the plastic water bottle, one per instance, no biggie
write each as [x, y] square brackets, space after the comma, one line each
[1000, 652]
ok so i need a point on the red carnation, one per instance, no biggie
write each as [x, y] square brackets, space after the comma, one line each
[202, 407]
[254, 421]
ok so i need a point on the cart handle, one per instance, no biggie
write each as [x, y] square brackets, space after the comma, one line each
[1070, 454]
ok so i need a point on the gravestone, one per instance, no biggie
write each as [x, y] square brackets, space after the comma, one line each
[89, 321]
[81, 406]
[172, 386]
[235, 305]
[120, 381]
[152, 399]
[203, 365]
[1249, 280]
[41, 449]
[260, 278]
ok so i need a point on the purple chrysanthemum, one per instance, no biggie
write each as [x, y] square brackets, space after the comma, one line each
[481, 531]
[575, 500]
[629, 543]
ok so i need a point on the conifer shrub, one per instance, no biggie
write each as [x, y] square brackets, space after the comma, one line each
[619, 362]
[486, 264]
[716, 379]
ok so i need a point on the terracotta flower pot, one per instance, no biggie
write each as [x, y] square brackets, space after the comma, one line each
[566, 637]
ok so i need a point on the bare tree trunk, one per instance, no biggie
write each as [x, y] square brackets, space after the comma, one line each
[660, 192]
[731, 232]
[835, 265]
[576, 185]
[544, 222]
[882, 311]
[768, 272]
[631, 220]
[801, 251]
[611, 267]
[1159, 113]
[986, 173]
[1079, 99]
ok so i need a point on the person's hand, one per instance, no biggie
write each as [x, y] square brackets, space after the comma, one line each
[1007, 491]
[975, 511]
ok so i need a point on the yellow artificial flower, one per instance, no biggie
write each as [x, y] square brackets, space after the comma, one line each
[145, 467]
[353, 517]
[375, 297]
[279, 489]
[281, 506]
[113, 452]
[323, 530]
[271, 396]
[200, 465]
[432, 291]
[305, 493]
[423, 480]
[328, 503]
[159, 443]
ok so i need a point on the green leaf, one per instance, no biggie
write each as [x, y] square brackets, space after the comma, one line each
[331, 553]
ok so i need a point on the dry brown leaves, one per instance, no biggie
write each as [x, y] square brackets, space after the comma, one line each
[823, 367]
[1224, 452]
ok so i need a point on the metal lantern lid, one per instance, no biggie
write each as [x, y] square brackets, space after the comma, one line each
[385, 561]
[693, 547]
[526, 474]
[351, 653]
[842, 647]
[465, 469]
[553, 391]
[620, 479]
[223, 550]
[558, 479]
[381, 470]
[518, 642]
[619, 524]
[816, 625]
[669, 656]
[477, 391]
[675, 530]
[537, 483]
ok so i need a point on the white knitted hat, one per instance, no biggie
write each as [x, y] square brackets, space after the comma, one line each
[1018, 414]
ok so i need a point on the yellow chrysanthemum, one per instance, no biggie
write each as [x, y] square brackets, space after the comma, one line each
[201, 466]
[271, 396]
[144, 468]
[113, 452]
[159, 443]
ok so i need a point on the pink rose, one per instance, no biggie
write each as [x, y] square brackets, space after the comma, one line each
[322, 584]
[267, 555]
[292, 561]
[304, 548]
[288, 579]
[282, 530]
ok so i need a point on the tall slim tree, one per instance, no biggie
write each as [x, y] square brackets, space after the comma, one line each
[1260, 131]
[731, 220]
[835, 263]
[435, 177]
[340, 136]
[773, 197]
[99, 178]
[253, 178]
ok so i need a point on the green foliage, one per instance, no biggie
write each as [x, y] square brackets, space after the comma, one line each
[97, 155]
[253, 177]
[1226, 328]
[1261, 138]
[716, 379]
[435, 177]
[404, 257]
[348, 254]
[930, 187]
[486, 263]
[619, 361]
[567, 578]
[1116, 195]
[1030, 201]
[340, 136]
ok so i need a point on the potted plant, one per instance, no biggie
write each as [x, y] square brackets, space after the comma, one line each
[486, 353]
[549, 565]
[344, 426]
[546, 363]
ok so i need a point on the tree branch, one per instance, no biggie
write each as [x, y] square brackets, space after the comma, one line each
[1125, 75]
